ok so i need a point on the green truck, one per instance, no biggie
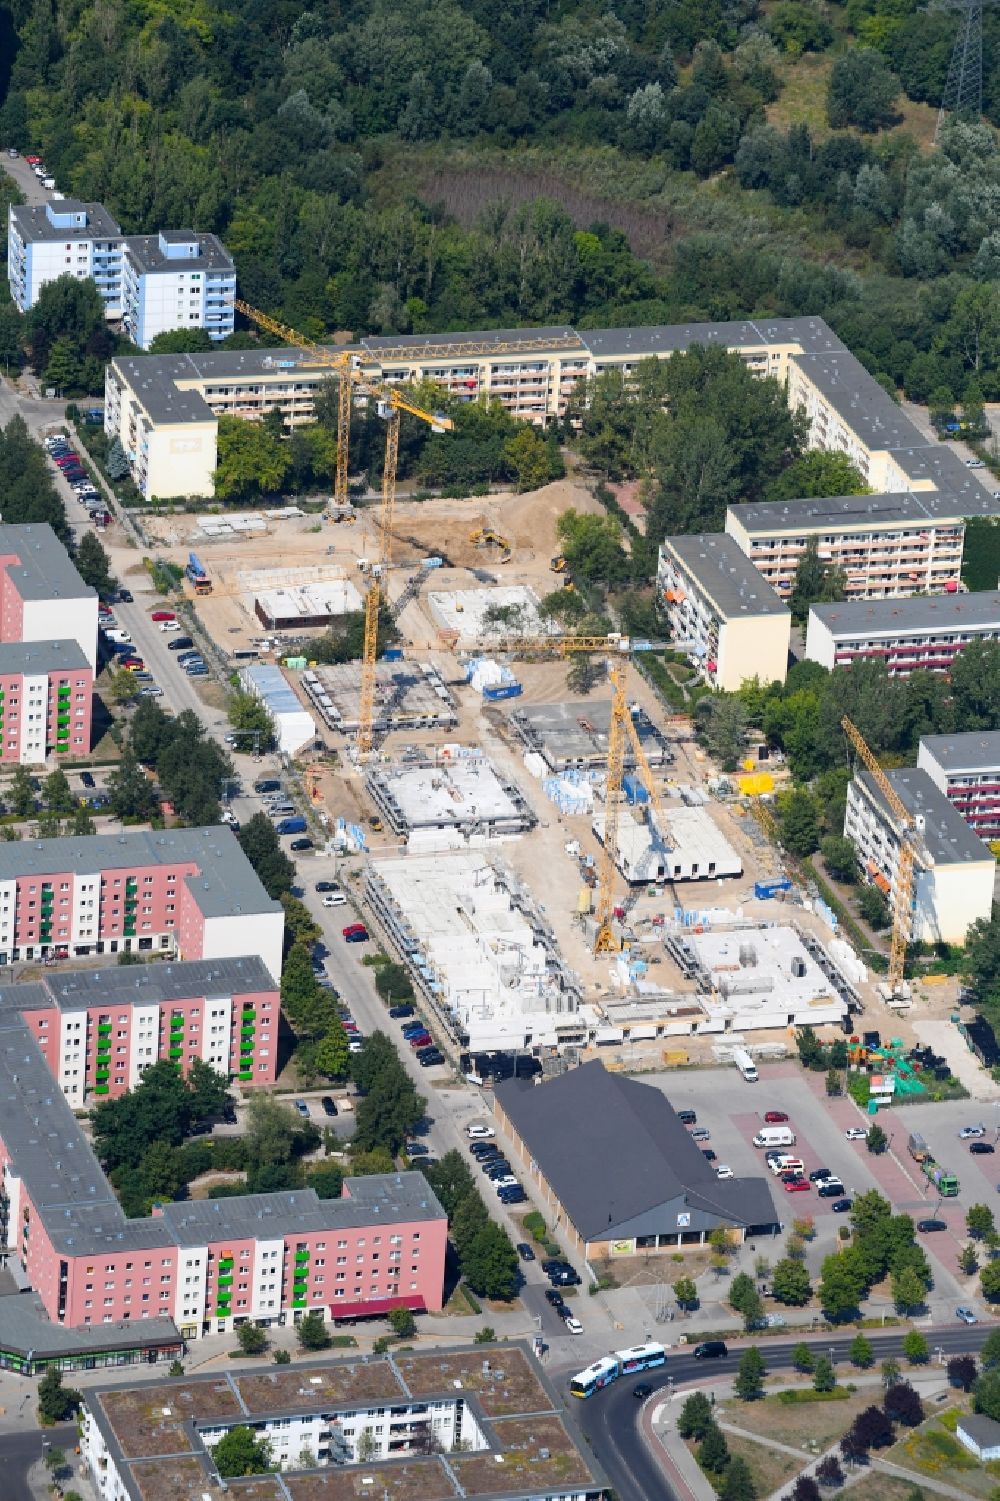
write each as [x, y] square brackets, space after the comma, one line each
[946, 1183]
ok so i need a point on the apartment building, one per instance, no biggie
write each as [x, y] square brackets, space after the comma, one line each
[893, 544]
[903, 633]
[64, 238]
[42, 597]
[966, 768]
[206, 1264]
[954, 873]
[46, 701]
[176, 279]
[721, 612]
[440, 1424]
[169, 411]
[186, 892]
[100, 1029]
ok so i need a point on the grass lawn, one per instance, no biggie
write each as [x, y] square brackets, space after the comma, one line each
[822, 1423]
[803, 102]
[769, 1467]
[933, 1450]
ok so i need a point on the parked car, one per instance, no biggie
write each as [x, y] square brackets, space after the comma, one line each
[524, 1251]
[554, 1297]
[981, 1148]
[967, 1132]
[305, 843]
[170, 625]
[855, 1133]
[87, 778]
[421, 1040]
[328, 1104]
[432, 1056]
[842, 1206]
[163, 615]
[687, 1117]
[701, 1133]
[774, 1117]
[403, 1009]
[830, 1189]
[818, 1174]
[796, 1185]
[181, 643]
[708, 1154]
[573, 1326]
[479, 1132]
[967, 1315]
[513, 1196]
[320, 885]
[930, 1227]
[724, 1172]
[335, 899]
[302, 1107]
[356, 933]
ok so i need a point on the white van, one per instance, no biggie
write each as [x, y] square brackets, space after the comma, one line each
[786, 1164]
[746, 1065]
[775, 1136]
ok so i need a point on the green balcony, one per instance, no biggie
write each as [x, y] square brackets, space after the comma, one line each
[129, 931]
[245, 1074]
[222, 1310]
[225, 1279]
[248, 1014]
[225, 1263]
[303, 1255]
[102, 1088]
[104, 1029]
[174, 1054]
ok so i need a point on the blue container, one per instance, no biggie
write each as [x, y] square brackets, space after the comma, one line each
[633, 789]
[392, 654]
[503, 690]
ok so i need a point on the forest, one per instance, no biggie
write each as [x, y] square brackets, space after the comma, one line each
[344, 153]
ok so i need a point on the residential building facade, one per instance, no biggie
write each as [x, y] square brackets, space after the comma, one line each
[46, 702]
[64, 238]
[176, 279]
[954, 872]
[726, 618]
[910, 542]
[903, 633]
[185, 892]
[966, 768]
[42, 597]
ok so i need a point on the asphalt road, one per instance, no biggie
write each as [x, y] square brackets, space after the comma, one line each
[17, 168]
[20, 1450]
[609, 1421]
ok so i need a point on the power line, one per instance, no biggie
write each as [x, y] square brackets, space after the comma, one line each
[963, 91]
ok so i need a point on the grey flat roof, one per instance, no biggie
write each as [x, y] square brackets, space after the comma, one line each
[945, 834]
[811, 334]
[26, 1327]
[226, 884]
[415, 342]
[852, 618]
[44, 569]
[140, 984]
[41, 656]
[982, 1430]
[34, 224]
[145, 253]
[613, 1152]
[863, 404]
[848, 513]
[402, 1196]
[726, 574]
[979, 750]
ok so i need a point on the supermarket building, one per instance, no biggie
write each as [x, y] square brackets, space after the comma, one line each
[186, 892]
[165, 408]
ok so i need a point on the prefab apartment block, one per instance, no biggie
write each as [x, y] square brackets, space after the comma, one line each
[966, 768]
[954, 873]
[903, 633]
[721, 613]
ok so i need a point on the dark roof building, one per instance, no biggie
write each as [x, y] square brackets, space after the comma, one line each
[613, 1155]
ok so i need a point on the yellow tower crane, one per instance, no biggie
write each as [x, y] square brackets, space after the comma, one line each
[620, 731]
[910, 851]
[391, 404]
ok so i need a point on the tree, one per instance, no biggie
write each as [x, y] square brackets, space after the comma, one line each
[57, 795]
[262, 847]
[979, 1220]
[749, 1382]
[872, 1430]
[874, 907]
[738, 1484]
[962, 1371]
[131, 793]
[908, 1289]
[816, 582]
[530, 457]
[251, 1340]
[22, 793]
[695, 1417]
[241, 1452]
[331, 1054]
[402, 1323]
[721, 726]
[803, 1358]
[94, 566]
[829, 1472]
[817, 473]
[989, 1281]
[805, 1489]
[799, 824]
[713, 1451]
[744, 1297]
[990, 1351]
[915, 1348]
[890, 1371]
[876, 1140]
[903, 1405]
[271, 1130]
[251, 461]
[861, 1352]
[824, 1378]
[790, 1283]
[861, 91]
[841, 1286]
[592, 547]
[55, 1401]
[312, 1331]
[250, 716]
[839, 858]
[686, 1292]
[490, 1264]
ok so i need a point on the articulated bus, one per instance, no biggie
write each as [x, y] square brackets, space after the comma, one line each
[618, 1363]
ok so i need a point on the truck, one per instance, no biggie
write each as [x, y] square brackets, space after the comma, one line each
[197, 574]
[746, 1065]
[917, 1147]
[294, 825]
[946, 1183]
[775, 1136]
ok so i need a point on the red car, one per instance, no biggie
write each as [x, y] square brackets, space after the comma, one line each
[32, 160]
[797, 1185]
[68, 461]
[421, 1040]
[775, 1117]
[163, 615]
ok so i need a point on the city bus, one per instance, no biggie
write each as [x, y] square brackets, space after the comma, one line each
[618, 1363]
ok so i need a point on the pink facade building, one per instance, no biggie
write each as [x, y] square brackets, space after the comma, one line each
[186, 892]
[204, 1265]
[48, 648]
[100, 1029]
